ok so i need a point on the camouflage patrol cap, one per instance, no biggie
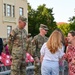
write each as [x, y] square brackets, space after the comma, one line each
[44, 27]
[22, 18]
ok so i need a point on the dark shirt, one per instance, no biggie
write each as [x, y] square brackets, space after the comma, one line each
[1, 45]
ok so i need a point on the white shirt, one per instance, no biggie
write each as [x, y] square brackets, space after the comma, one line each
[49, 56]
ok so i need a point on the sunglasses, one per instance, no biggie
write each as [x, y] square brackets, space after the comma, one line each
[46, 30]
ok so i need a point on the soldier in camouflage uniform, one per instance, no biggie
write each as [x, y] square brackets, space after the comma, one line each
[17, 47]
[38, 42]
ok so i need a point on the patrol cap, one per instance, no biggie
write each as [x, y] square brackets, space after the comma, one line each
[44, 27]
[22, 18]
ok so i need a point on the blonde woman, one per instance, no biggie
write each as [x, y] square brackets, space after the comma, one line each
[51, 52]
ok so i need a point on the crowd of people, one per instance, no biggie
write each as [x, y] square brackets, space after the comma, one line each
[47, 52]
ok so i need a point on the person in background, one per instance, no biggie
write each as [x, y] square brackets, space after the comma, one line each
[63, 38]
[62, 63]
[38, 41]
[51, 52]
[66, 43]
[5, 45]
[6, 49]
[17, 47]
[1, 45]
[70, 52]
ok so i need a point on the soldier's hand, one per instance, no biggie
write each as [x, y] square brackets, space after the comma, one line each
[37, 59]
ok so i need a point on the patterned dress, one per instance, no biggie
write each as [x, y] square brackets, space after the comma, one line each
[70, 56]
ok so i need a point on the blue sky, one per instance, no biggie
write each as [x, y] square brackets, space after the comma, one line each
[62, 9]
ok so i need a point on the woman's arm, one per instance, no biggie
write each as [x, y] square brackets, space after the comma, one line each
[42, 52]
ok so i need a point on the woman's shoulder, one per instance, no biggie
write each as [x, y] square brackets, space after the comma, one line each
[44, 44]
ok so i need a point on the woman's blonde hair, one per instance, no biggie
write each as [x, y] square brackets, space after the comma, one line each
[54, 41]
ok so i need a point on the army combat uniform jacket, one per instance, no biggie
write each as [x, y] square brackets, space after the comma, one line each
[17, 40]
[38, 41]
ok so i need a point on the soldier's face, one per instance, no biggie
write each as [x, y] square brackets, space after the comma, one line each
[22, 24]
[45, 31]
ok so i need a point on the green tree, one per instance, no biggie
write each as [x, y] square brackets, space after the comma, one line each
[31, 20]
[45, 16]
[72, 23]
[41, 15]
[65, 28]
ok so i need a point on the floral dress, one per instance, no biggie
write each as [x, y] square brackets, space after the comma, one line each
[70, 56]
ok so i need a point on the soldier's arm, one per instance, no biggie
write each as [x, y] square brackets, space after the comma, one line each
[33, 46]
[27, 44]
[10, 40]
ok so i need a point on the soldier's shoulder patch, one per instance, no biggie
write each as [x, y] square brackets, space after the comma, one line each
[35, 37]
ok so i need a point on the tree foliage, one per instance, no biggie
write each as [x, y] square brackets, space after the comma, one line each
[42, 15]
[72, 23]
[65, 28]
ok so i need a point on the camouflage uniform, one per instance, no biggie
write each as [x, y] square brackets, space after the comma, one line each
[38, 41]
[17, 44]
[29, 45]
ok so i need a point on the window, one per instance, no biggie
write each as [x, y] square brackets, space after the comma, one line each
[20, 11]
[8, 10]
[9, 28]
[13, 11]
[4, 9]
